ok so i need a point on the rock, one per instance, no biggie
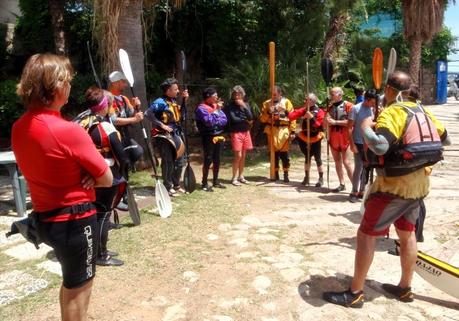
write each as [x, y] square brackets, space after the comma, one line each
[18, 284]
[228, 304]
[175, 312]
[247, 255]
[243, 227]
[190, 276]
[224, 227]
[212, 237]
[159, 301]
[270, 306]
[222, 318]
[265, 237]
[27, 251]
[51, 266]
[241, 242]
[269, 259]
[252, 221]
[285, 248]
[266, 230]
[261, 284]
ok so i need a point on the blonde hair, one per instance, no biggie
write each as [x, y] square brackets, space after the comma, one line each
[42, 77]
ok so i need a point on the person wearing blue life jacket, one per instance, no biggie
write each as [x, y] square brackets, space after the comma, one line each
[166, 116]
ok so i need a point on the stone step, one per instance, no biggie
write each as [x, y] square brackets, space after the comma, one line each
[17, 284]
[27, 251]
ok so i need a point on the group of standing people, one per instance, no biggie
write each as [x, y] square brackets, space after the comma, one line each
[77, 175]
[212, 118]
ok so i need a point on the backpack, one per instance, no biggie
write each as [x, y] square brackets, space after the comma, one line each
[419, 145]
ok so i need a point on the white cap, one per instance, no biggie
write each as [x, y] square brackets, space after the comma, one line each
[116, 75]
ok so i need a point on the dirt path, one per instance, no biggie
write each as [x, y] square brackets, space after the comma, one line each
[273, 261]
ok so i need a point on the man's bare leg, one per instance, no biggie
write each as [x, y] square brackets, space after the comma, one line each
[408, 254]
[346, 155]
[338, 165]
[363, 258]
[74, 302]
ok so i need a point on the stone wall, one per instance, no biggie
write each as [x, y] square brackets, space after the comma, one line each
[428, 86]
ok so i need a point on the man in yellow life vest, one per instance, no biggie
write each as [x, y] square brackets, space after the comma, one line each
[279, 128]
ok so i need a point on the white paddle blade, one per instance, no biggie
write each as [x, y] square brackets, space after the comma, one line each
[163, 200]
[126, 66]
[392, 63]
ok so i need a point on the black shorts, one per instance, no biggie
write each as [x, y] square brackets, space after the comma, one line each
[75, 245]
[315, 150]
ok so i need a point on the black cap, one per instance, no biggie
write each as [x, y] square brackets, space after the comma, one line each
[210, 91]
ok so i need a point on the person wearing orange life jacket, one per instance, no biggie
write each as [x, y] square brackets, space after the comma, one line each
[336, 120]
[282, 130]
[314, 115]
[401, 183]
[108, 141]
[211, 121]
[123, 114]
[166, 116]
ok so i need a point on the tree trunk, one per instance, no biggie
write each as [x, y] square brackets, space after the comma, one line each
[56, 10]
[415, 58]
[335, 27]
[130, 38]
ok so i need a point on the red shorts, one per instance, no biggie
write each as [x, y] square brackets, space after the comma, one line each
[241, 141]
[382, 210]
[339, 140]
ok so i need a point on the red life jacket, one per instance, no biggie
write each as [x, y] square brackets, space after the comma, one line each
[418, 147]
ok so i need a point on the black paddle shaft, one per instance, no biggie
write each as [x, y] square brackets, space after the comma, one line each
[145, 136]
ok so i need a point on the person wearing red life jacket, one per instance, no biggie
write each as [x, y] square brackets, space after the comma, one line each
[336, 120]
[315, 116]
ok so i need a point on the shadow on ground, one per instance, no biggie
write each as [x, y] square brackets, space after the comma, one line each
[382, 244]
[353, 217]
[311, 290]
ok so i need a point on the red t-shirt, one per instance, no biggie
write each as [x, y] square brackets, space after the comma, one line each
[53, 154]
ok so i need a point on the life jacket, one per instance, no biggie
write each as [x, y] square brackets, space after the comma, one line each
[340, 112]
[203, 128]
[281, 118]
[172, 116]
[88, 121]
[419, 146]
[313, 131]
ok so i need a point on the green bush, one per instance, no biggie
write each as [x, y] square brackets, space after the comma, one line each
[10, 107]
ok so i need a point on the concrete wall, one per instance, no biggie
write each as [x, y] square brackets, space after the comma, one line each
[9, 9]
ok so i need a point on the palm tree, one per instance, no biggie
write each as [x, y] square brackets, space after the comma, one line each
[118, 24]
[422, 19]
[56, 10]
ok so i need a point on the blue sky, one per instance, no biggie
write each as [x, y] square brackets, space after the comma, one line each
[452, 22]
